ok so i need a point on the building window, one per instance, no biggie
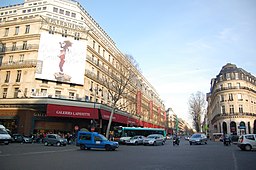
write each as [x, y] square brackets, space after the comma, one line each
[61, 11]
[13, 46]
[5, 93]
[43, 92]
[2, 47]
[229, 85]
[241, 108]
[16, 91]
[239, 97]
[55, 9]
[10, 61]
[24, 46]
[7, 77]
[67, 13]
[21, 58]
[6, 32]
[1, 60]
[223, 109]
[18, 76]
[238, 85]
[17, 30]
[222, 98]
[231, 109]
[77, 36]
[93, 44]
[64, 33]
[71, 95]
[51, 30]
[27, 29]
[99, 49]
[230, 97]
[73, 15]
[57, 93]
[103, 53]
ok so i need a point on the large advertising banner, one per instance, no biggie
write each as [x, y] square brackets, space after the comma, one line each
[139, 102]
[61, 59]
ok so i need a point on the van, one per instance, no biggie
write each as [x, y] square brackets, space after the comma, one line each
[4, 135]
[88, 140]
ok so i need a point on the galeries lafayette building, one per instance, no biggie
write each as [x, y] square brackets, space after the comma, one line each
[33, 115]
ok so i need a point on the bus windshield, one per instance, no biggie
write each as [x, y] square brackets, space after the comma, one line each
[120, 131]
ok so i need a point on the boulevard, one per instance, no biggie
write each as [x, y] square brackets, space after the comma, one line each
[211, 156]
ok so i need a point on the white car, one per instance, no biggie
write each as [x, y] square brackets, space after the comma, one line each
[123, 140]
[4, 136]
[247, 142]
[135, 140]
[154, 139]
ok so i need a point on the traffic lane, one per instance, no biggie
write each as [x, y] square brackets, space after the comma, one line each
[18, 148]
[211, 156]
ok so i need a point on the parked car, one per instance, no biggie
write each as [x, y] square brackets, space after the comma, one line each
[4, 136]
[247, 142]
[21, 139]
[88, 140]
[123, 140]
[198, 138]
[54, 139]
[154, 139]
[135, 140]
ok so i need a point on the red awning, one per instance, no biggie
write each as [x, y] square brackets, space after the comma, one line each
[71, 111]
[116, 117]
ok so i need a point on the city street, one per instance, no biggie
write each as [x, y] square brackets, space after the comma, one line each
[211, 156]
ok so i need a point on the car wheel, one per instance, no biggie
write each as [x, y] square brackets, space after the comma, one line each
[205, 143]
[190, 143]
[108, 147]
[82, 147]
[154, 143]
[46, 143]
[247, 147]
[6, 143]
[58, 144]
[136, 143]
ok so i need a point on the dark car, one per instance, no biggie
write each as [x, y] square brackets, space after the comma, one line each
[54, 139]
[198, 138]
[21, 139]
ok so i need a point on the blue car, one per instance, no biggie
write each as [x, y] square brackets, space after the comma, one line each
[88, 140]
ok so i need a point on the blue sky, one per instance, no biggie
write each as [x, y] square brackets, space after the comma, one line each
[179, 44]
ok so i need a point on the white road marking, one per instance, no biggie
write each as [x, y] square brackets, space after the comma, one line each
[36, 153]
[235, 161]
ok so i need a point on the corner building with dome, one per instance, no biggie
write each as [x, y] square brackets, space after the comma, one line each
[232, 102]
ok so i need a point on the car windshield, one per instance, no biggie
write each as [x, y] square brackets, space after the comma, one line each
[2, 131]
[196, 136]
[103, 138]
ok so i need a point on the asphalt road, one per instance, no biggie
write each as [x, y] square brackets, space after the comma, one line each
[213, 156]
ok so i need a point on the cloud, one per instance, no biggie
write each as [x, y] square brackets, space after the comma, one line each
[228, 35]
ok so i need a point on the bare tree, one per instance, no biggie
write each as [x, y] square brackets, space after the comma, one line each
[119, 86]
[197, 105]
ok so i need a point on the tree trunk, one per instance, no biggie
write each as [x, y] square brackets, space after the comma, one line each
[110, 121]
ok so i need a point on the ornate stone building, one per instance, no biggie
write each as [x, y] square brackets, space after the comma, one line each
[54, 58]
[232, 102]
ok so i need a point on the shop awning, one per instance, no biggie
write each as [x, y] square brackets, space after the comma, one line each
[116, 117]
[71, 111]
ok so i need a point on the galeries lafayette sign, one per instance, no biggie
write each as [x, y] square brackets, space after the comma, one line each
[71, 111]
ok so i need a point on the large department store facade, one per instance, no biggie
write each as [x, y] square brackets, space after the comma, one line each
[53, 56]
[232, 102]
